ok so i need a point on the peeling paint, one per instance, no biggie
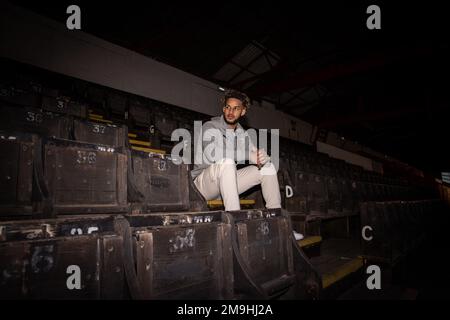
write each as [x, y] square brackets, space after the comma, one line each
[264, 228]
[166, 221]
[182, 241]
[42, 259]
[92, 229]
[202, 219]
[48, 230]
[76, 231]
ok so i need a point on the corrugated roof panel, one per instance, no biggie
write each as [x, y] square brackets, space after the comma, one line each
[260, 66]
[227, 72]
[244, 57]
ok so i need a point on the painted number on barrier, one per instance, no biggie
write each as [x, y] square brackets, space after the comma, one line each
[364, 233]
[84, 157]
[34, 117]
[201, 219]
[183, 240]
[264, 228]
[289, 191]
[162, 165]
[79, 231]
[60, 104]
[97, 128]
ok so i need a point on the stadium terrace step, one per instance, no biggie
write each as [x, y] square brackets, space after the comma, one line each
[345, 270]
[311, 245]
[148, 150]
[219, 203]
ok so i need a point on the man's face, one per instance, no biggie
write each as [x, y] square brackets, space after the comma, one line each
[233, 111]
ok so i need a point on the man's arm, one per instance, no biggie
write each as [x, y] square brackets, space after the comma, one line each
[212, 143]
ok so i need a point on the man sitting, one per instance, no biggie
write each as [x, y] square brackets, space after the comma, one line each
[220, 177]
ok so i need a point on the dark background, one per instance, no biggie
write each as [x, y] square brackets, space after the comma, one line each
[386, 89]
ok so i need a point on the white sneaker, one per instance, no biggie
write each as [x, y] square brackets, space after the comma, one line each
[298, 236]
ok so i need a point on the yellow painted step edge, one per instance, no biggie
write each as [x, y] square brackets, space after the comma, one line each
[100, 120]
[348, 268]
[97, 116]
[140, 142]
[309, 241]
[241, 201]
[148, 150]
[132, 135]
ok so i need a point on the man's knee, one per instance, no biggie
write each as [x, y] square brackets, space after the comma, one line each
[226, 165]
[268, 171]
[254, 173]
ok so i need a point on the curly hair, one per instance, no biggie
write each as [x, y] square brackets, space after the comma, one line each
[231, 93]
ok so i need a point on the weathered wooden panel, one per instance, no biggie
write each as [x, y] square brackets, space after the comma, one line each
[64, 105]
[163, 184]
[85, 178]
[32, 120]
[191, 260]
[263, 253]
[16, 174]
[100, 133]
[62, 268]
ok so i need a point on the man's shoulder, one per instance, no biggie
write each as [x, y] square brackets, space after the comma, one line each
[215, 122]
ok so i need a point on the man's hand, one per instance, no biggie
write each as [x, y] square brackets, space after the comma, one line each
[263, 157]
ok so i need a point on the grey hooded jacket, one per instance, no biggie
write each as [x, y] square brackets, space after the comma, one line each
[239, 143]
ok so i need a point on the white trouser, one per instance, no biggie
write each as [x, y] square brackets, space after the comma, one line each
[223, 180]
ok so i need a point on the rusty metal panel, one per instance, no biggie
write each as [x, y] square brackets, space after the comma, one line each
[243, 241]
[32, 120]
[183, 255]
[85, 178]
[100, 133]
[225, 266]
[164, 185]
[264, 262]
[144, 262]
[16, 174]
[64, 105]
[182, 262]
[58, 268]
[265, 256]
[34, 229]
[112, 276]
